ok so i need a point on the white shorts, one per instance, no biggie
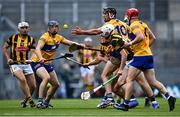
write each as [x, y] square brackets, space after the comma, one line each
[85, 71]
[26, 69]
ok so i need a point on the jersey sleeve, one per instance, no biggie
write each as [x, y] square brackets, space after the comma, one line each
[62, 39]
[42, 39]
[33, 46]
[9, 40]
[135, 28]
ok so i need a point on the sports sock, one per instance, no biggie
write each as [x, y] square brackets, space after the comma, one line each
[89, 87]
[152, 98]
[132, 97]
[167, 95]
[109, 95]
[40, 99]
[126, 102]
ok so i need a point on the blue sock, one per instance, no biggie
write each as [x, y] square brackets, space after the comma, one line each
[126, 102]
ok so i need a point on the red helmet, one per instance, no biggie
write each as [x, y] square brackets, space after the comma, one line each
[132, 13]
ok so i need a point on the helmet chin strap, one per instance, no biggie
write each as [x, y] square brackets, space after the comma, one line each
[111, 16]
[24, 35]
[53, 33]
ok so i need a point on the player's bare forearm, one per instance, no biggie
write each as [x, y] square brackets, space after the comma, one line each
[139, 38]
[79, 31]
[68, 42]
[94, 62]
[38, 52]
[5, 51]
[32, 53]
[123, 59]
[92, 32]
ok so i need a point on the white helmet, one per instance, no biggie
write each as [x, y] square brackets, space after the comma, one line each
[88, 39]
[23, 24]
[107, 29]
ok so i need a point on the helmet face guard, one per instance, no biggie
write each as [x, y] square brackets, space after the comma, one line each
[107, 30]
[53, 23]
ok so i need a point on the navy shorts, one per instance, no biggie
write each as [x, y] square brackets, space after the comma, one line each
[37, 65]
[142, 62]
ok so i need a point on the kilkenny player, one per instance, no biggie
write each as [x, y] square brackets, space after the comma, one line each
[20, 45]
[86, 56]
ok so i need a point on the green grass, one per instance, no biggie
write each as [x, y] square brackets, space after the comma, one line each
[80, 108]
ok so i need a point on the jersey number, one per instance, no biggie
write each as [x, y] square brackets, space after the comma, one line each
[121, 30]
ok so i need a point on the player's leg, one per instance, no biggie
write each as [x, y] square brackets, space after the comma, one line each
[150, 76]
[90, 78]
[107, 71]
[147, 89]
[44, 75]
[84, 75]
[30, 78]
[132, 74]
[108, 98]
[31, 82]
[54, 86]
[119, 89]
[18, 73]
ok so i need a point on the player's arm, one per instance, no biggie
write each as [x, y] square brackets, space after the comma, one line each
[152, 37]
[79, 31]
[79, 55]
[5, 51]
[32, 47]
[98, 59]
[138, 36]
[68, 42]
[124, 56]
[39, 46]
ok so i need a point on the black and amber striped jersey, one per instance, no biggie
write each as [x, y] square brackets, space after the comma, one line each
[20, 47]
[86, 56]
[117, 43]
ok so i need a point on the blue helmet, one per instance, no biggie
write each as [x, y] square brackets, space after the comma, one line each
[53, 23]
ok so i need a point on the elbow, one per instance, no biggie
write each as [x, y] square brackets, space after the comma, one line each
[141, 37]
[4, 49]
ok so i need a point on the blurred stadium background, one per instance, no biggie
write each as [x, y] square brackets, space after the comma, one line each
[161, 15]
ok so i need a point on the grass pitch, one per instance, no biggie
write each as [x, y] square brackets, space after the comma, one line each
[80, 108]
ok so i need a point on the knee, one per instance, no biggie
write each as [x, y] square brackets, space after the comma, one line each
[46, 79]
[56, 85]
[33, 86]
[103, 77]
[128, 80]
[22, 80]
[115, 89]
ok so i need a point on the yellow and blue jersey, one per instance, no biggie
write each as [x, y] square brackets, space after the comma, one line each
[121, 28]
[142, 48]
[50, 45]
